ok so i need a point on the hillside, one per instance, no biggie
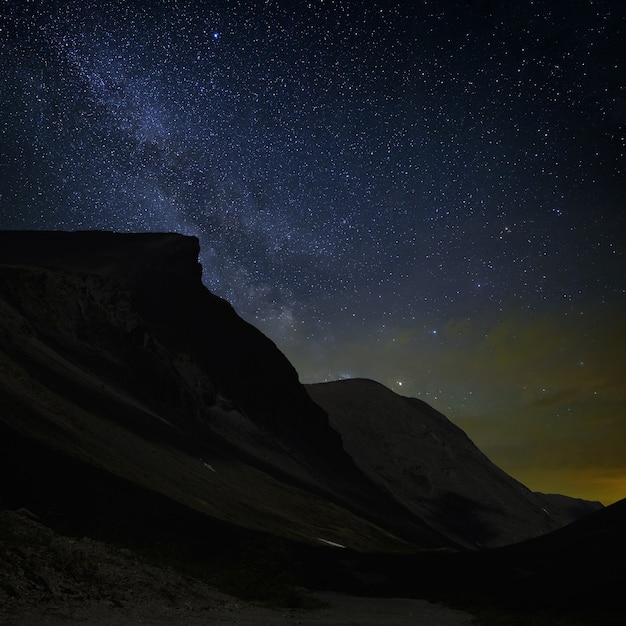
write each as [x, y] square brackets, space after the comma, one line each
[430, 466]
[115, 358]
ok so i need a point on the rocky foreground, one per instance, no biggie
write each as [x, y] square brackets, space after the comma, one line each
[47, 578]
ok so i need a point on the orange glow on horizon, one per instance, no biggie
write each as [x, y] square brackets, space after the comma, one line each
[594, 483]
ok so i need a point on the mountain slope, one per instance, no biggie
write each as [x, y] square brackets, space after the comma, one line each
[431, 467]
[114, 358]
[114, 355]
[588, 556]
[137, 408]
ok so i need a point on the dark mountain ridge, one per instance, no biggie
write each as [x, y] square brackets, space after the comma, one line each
[159, 276]
[430, 465]
[118, 332]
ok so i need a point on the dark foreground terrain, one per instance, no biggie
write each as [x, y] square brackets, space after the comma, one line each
[51, 579]
[48, 578]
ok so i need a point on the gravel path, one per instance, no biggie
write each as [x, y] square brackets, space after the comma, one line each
[343, 611]
[355, 611]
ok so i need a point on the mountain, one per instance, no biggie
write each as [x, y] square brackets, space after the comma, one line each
[572, 575]
[587, 558]
[118, 368]
[138, 409]
[429, 465]
[116, 361]
[576, 507]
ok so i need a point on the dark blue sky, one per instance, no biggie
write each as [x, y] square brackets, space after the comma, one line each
[428, 193]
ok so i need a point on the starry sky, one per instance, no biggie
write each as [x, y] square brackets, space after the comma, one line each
[429, 194]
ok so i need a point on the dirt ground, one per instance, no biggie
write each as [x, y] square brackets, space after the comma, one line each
[52, 580]
[342, 611]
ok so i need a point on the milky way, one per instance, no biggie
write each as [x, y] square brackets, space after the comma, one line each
[430, 194]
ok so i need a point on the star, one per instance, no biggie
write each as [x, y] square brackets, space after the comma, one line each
[364, 181]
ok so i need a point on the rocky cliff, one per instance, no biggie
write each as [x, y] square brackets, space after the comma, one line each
[114, 355]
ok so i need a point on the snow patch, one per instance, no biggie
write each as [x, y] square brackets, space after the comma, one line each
[331, 543]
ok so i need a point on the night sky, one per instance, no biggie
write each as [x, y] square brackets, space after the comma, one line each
[429, 194]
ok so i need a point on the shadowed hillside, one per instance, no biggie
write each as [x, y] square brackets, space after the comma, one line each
[429, 465]
[116, 356]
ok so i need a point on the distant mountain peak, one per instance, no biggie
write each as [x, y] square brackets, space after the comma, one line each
[430, 465]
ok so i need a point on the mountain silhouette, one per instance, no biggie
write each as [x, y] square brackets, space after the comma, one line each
[136, 406]
[116, 356]
[430, 465]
